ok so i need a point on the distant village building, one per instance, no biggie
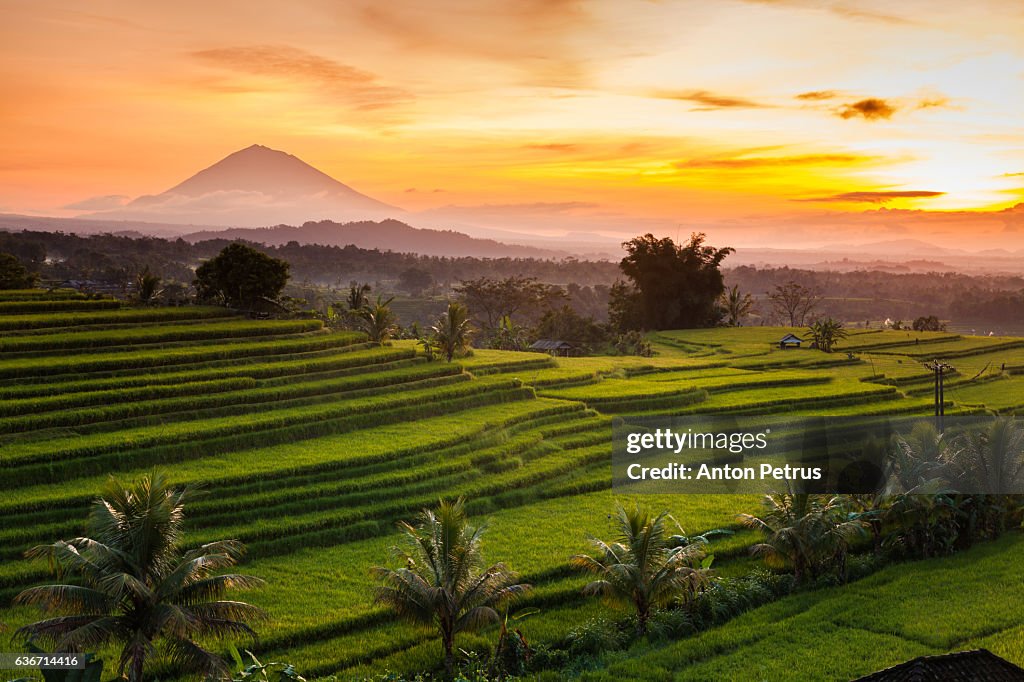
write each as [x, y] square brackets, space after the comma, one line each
[790, 341]
[89, 286]
[979, 665]
[555, 347]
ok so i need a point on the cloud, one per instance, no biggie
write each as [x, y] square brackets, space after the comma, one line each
[859, 13]
[1012, 175]
[241, 208]
[554, 147]
[100, 203]
[534, 36]
[741, 162]
[933, 103]
[871, 109]
[840, 9]
[290, 64]
[817, 95]
[710, 100]
[875, 197]
[535, 208]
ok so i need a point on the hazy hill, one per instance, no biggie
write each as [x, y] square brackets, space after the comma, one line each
[386, 235]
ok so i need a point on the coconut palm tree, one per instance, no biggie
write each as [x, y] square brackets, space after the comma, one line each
[356, 299]
[452, 332]
[918, 462]
[378, 320]
[986, 463]
[443, 581]
[736, 306]
[990, 459]
[826, 333]
[805, 533]
[133, 584]
[645, 566]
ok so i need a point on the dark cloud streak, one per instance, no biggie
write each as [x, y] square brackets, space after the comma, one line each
[710, 100]
[817, 95]
[773, 161]
[565, 147]
[870, 109]
[875, 197]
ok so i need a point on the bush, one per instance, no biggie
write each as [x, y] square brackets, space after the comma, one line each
[633, 343]
[597, 636]
[928, 324]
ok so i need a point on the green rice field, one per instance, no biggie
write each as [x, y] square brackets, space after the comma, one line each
[310, 444]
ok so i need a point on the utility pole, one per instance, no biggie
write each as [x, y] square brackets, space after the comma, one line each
[940, 369]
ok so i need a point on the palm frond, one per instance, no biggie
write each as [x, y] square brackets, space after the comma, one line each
[72, 598]
[190, 656]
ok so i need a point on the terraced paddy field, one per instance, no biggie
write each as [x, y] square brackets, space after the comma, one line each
[928, 608]
[309, 444]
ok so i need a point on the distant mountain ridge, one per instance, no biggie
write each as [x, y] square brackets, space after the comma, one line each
[386, 235]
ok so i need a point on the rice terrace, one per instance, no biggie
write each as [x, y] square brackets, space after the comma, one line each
[309, 444]
[505, 341]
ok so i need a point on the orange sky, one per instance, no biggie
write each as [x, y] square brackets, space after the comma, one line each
[558, 115]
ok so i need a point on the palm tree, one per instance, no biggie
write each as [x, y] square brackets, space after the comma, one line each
[134, 584]
[987, 463]
[508, 335]
[804, 532]
[443, 581]
[826, 333]
[989, 460]
[378, 320]
[146, 284]
[452, 332]
[736, 306]
[918, 463]
[356, 298]
[645, 566]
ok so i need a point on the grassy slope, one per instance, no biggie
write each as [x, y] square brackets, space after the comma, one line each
[336, 440]
[906, 610]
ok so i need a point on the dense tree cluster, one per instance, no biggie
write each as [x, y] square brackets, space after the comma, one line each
[240, 276]
[522, 299]
[672, 286]
[13, 273]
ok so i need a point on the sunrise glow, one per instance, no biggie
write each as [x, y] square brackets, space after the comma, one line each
[551, 117]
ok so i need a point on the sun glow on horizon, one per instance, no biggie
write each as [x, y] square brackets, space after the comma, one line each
[613, 115]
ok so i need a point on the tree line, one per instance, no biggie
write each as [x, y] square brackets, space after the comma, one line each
[857, 295]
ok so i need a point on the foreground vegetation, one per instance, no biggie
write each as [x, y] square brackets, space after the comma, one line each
[310, 444]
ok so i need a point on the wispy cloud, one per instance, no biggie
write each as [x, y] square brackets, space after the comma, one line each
[534, 36]
[361, 88]
[534, 207]
[741, 162]
[101, 203]
[709, 100]
[554, 147]
[933, 103]
[840, 9]
[870, 109]
[875, 197]
[817, 95]
[860, 13]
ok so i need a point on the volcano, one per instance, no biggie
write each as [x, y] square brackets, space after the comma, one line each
[256, 186]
